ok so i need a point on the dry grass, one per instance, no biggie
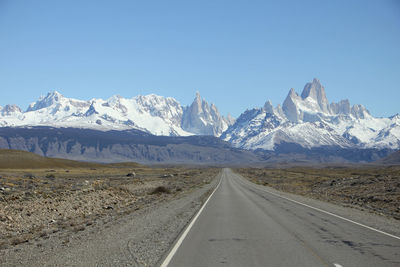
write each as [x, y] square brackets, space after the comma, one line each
[36, 203]
[17, 159]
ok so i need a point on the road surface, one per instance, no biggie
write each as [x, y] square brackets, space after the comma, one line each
[244, 224]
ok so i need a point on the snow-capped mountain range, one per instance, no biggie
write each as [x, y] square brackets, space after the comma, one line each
[151, 113]
[308, 120]
[311, 121]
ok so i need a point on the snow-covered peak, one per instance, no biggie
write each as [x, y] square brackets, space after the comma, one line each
[55, 95]
[395, 117]
[204, 119]
[91, 111]
[114, 102]
[268, 107]
[152, 113]
[278, 111]
[292, 94]
[313, 105]
[230, 120]
[9, 110]
[198, 96]
[290, 106]
[56, 103]
[156, 101]
[359, 112]
[316, 92]
[310, 121]
[167, 108]
[343, 107]
[43, 102]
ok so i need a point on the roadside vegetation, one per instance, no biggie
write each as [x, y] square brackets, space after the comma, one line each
[374, 189]
[69, 196]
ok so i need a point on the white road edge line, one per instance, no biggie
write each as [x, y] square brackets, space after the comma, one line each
[182, 237]
[334, 215]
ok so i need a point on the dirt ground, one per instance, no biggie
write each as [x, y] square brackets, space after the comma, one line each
[374, 189]
[36, 203]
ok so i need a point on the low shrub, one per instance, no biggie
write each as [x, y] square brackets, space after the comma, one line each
[160, 190]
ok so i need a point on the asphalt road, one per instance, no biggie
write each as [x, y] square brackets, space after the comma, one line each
[243, 224]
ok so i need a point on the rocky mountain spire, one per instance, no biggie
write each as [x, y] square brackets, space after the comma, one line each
[308, 121]
[343, 107]
[359, 111]
[230, 120]
[290, 106]
[316, 91]
[46, 101]
[268, 107]
[203, 119]
[10, 109]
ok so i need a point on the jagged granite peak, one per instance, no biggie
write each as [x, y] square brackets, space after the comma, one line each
[229, 119]
[43, 102]
[114, 102]
[92, 110]
[245, 133]
[395, 117]
[342, 107]
[316, 91]
[268, 107]
[167, 108]
[150, 113]
[309, 121]
[289, 106]
[279, 110]
[302, 120]
[10, 110]
[214, 112]
[197, 103]
[57, 102]
[292, 93]
[198, 96]
[203, 119]
[359, 111]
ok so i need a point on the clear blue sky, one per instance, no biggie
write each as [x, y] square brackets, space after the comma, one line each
[237, 54]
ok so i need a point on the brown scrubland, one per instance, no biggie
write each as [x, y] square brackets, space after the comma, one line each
[40, 196]
[371, 188]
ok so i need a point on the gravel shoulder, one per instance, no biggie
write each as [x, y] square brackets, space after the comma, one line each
[139, 237]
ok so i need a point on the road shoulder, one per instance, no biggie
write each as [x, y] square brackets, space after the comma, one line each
[137, 239]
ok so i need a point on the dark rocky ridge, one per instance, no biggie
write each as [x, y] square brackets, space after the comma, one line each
[119, 146]
[142, 147]
[392, 159]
